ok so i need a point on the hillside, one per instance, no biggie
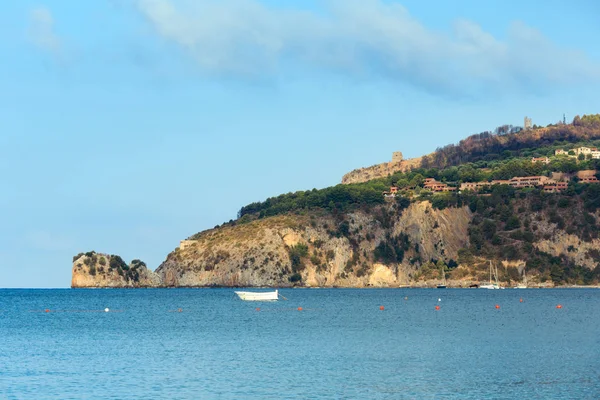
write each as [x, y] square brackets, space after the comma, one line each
[489, 146]
[532, 211]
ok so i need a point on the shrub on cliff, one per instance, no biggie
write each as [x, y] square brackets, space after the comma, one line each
[340, 197]
[117, 263]
[297, 254]
[138, 263]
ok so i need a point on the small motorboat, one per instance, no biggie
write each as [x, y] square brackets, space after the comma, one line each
[258, 296]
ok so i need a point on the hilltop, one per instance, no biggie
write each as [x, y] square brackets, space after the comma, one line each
[490, 146]
[527, 201]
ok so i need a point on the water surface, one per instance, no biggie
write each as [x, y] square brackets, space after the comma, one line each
[341, 345]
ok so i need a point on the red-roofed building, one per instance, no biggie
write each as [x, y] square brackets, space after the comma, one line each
[543, 160]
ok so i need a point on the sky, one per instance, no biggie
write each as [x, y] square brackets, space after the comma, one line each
[129, 125]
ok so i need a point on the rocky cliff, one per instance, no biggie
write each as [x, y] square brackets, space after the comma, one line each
[95, 270]
[359, 249]
[320, 250]
[380, 170]
[360, 235]
[395, 244]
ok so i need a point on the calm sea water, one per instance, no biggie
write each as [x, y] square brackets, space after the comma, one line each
[341, 345]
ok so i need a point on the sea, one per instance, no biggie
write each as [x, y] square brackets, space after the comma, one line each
[317, 344]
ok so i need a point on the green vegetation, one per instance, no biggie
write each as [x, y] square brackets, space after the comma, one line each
[391, 250]
[297, 255]
[96, 264]
[508, 221]
[117, 263]
[502, 165]
[340, 197]
[489, 146]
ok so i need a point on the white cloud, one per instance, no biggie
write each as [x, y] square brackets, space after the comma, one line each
[41, 31]
[365, 38]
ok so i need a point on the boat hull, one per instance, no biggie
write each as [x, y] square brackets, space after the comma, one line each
[258, 296]
[489, 286]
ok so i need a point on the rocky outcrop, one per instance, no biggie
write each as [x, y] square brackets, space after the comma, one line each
[95, 270]
[560, 243]
[385, 246]
[314, 250]
[380, 170]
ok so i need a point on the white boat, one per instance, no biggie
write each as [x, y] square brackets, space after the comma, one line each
[442, 285]
[492, 285]
[258, 296]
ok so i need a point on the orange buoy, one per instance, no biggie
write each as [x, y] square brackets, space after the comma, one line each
[257, 308]
[559, 306]
[46, 310]
[497, 306]
[437, 307]
[520, 300]
[299, 308]
[381, 308]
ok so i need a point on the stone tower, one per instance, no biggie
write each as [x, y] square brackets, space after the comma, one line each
[527, 123]
[397, 156]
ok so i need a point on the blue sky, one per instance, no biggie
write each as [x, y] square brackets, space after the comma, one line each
[128, 125]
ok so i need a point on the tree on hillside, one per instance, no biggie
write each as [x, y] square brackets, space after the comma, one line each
[417, 180]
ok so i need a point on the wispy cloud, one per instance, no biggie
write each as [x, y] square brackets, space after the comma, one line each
[42, 32]
[368, 38]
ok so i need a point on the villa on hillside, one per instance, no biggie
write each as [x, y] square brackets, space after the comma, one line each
[585, 150]
[474, 186]
[392, 193]
[518, 182]
[592, 151]
[555, 187]
[543, 160]
[587, 176]
[558, 183]
[529, 181]
[435, 186]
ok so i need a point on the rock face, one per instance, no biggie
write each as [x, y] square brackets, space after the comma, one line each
[569, 245]
[380, 170]
[277, 251]
[95, 270]
[307, 250]
[387, 246]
